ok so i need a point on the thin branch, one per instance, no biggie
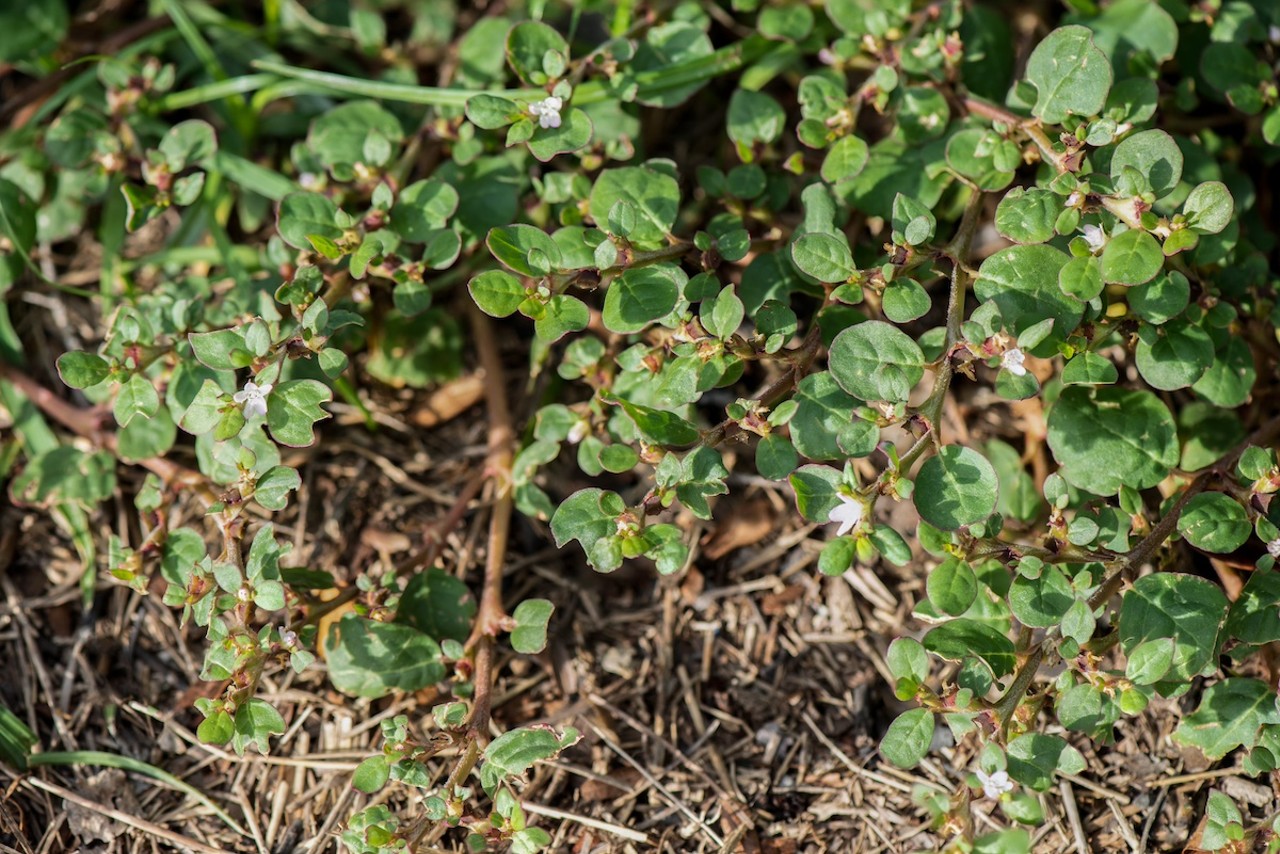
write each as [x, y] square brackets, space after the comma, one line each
[88, 424]
[492, 616]
[958, 251]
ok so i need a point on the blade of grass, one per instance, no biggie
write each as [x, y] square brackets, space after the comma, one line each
[111, 760]
[242, 117]
[260, 179]
[216, 91]
[650, 83]
[325, 82]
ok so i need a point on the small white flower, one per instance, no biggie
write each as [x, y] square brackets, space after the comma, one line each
[847, 514]
[995, 784]
[288, 638]
[1273, 33]
[1094, 236]
[1012, 361]
[253, 398]
[1273, 548]
[547, 111]
[578, 432]
[1074, 199]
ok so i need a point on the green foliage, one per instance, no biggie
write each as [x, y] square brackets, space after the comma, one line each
[810, 299]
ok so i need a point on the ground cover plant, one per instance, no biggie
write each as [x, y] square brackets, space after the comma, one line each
[982, 308]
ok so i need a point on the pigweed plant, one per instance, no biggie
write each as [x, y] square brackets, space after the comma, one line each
[896, 213]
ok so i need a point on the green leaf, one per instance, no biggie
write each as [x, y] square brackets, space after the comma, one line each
[970, 152]
[956, 640]
[524, 249]
[1042, 601]
[82, 370]
[371, 774]
[956, 487]
[1081, 278]
[218, 728]
[301, 215]
[655, 196]
[255, 722]
[564, 314]
[273, 486]
[65, 473]
[822, 427]
[846, 159]
[1071, 76]
[1230, 715]
[350, 133]
[1132, 257]
[137, 396]
[876, 361]
[1150, 661]
[775, 457]
[1229, 380]
[1108, 438]
[222, 349]
[825, 257]
[1173, 356]
[905, 300]
[530, 634]
[792, 22]
[1034, 759]
[371, 659]
[515, 752]
[656, 425]
[907, 740]
[1089, 368]
[573, 133]
[293, 407]
[666, 45]
[497, 292]
[421, 208]
[1027, 215]
[1155, 156]
[583, 517]
[1182, 607]
[1023, 283]
[952, 586]
[32, 29]
[1209, 207]
[642, 295]
[147, 437]
[1215, 522]
[16, 740]
[816, 492]
[722, 314]
[491, 111]
[189, 143]
[438, 605]
[1162, 299]
[528, 44]
[754, 117]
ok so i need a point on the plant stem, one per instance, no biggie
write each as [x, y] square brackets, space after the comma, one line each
[958, 251]
[87, 424]
[491, 616]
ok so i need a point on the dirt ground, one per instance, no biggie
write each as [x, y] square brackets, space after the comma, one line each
[736, 708]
